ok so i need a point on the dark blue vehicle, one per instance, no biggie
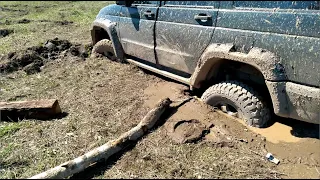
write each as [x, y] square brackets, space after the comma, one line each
[250, 57]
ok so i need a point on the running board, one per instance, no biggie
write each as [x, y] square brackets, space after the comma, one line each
[161, 72]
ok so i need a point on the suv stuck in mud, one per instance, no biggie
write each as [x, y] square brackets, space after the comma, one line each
[250, 57]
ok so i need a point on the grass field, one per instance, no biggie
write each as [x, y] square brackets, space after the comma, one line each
[81, 13]
[103, 99]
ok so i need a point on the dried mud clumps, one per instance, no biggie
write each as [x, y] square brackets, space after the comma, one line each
[24, 21]
[62, 23]
[5, 32]
[31, 59]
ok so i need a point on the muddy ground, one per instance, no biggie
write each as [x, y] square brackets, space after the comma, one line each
[102, 99]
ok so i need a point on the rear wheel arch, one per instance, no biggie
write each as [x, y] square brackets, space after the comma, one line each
[218, 60]
[258, 59]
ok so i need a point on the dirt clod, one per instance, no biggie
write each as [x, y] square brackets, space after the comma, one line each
[65, 22]
[31, 59]
[11, 54]
[24, 21]
[32, 68]
[6, 22]
[5, 32]
[81, 51]
[220, 136]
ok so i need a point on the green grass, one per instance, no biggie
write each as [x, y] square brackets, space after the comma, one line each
[7, 150]
[7, 129]
[82, 13]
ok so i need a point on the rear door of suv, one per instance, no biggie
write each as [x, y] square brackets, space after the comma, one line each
[183, 30]
[289, 29]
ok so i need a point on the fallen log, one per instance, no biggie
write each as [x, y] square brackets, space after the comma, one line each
[37, 109]
[105, 151]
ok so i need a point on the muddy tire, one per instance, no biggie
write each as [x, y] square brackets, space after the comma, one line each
[104, 47]
[238, 99]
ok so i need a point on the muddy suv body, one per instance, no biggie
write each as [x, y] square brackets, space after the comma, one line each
[242, 49]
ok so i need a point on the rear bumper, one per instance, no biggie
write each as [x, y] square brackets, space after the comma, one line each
[295, 101]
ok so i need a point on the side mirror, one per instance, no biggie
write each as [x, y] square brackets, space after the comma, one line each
[126, 3]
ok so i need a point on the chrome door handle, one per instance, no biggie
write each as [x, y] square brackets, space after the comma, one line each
[202, 17]
[148, 13]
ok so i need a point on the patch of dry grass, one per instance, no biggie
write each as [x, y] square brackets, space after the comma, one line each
[102, 100]
[156, 156]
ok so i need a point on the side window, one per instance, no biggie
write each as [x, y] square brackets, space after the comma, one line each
[146, 2]
[192, 3]
[308, 5]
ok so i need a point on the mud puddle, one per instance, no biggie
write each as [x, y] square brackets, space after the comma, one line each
[276, 133]
[33, 58]
[189, 108]
[296, 144]
[286, 131]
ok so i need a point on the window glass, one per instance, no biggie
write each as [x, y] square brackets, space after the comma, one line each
[145, 2]
[314, 5]
[191, 3]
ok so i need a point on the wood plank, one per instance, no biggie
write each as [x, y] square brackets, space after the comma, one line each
[34, 109]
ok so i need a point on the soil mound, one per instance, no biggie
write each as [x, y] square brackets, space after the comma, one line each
[31, 59]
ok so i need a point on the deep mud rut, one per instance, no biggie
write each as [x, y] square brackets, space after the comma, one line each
[299, 156]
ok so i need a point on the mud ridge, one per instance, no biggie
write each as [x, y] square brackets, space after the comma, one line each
[64, 22]
[6, 22]
[24, 21]
[33, 58]
[5, 32]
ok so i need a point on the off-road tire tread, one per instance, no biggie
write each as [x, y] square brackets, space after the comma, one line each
[101, 46]
[255, 108]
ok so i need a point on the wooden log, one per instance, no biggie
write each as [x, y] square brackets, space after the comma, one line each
[105, 151]
[37, 109]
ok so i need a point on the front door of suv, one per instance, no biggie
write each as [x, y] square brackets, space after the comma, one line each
[183, 31]
[136, 29]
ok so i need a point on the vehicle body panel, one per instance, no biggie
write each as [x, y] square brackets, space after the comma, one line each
[137, 31]
[180, 38]
[281, 39]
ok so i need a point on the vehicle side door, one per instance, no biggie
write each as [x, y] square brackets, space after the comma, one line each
[136, 29]
[183, 31]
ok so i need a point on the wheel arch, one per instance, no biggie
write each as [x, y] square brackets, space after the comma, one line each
[266, 62]
[258, 60]
[104, 28]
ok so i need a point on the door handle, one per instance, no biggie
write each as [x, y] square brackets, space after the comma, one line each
[202, 17]
[148, 13]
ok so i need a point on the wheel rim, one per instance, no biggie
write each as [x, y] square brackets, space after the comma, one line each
[110, 55]
[228, 107]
